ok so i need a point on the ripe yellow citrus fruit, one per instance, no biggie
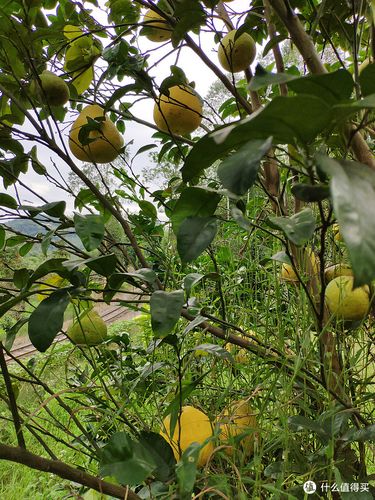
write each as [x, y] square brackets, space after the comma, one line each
[236, 54]
[51, 283]
[194, 426]
[180, 112]
[288, 274]
[346, 303]
[88, 329]
[336, 233]
[106, 142]
[158, 29]
[239, 418]
[336, 270]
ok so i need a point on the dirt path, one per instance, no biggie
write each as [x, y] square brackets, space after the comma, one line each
[109, 313]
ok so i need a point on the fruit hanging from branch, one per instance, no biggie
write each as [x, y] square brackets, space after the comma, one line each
[347, 303]
[156, 28]
[180, 112]
[88, 329]
[50, 89]
[102, 142]
[236, 53]
[193, 426]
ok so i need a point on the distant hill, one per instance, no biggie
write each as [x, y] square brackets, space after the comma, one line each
[31, 228]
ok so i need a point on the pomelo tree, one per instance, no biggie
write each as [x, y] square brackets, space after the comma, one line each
[233, 251]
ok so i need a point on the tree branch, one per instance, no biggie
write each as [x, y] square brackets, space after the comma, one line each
[64, 471]
[307, 49]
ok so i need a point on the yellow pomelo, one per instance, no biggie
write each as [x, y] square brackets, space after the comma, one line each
[288, 273]
[50, 285]
[239, 418]
[88, 329]
[336, 270]
[344, 302]
[236, 55]
[50, 89]
[336, 232]
[106, 142]
[158, 29]
[180, 112]
[194, 426]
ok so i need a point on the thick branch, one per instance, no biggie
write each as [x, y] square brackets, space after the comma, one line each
[307, 49]
[64, 471]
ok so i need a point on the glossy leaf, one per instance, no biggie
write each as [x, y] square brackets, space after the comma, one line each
[282, 119]
[239, 171]
[367, 80]
[194, 236]
[162, 454]
[165, 310]
[125, 459]
[310, 193]
[194, 202]
[186, 470]
[90, 230]
[298, 228]
[353, 194]
[47, 320]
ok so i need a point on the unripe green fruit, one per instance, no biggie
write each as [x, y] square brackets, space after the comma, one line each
[236, 55]
[89, 329]
[51, 89]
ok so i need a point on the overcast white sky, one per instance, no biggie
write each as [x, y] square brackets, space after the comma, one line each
[194, 69]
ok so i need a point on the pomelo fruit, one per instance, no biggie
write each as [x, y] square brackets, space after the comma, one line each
[236, 55]
[345, 303]
[88, 329]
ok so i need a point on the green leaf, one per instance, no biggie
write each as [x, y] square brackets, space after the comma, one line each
[104, 265]
[162, 454]
[331, 87]
[7, 201]
[47, 320]
[353, 195]
[2, 237]
[298, 228]
[281, 118]
[194, 236]
[239, 171]
[21, 277]
[361, 435]
[165, 310]
[186, 470]
[215, 350]
[90, 230]
[190, 280]
[367, 80]
[12, 332]
[310, 193]
[263, 78]
[190, 16]
[298, 423]
[49, 266]
[148, 209]
[125, 459]
[343, 111]
[54, 209]
[194, 202]
[25, 249]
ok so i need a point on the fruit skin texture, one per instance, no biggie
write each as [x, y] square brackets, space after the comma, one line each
[344, 302]
[236, 55]
[195, 427]
[51, 89]
[237, 419]
[158, 29]
[336, 270]
[107, 141]
[89, 329]
[287, 271]
[180, 112]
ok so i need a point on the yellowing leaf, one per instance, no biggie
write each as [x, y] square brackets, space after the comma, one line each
[82, 79]
[72, 32]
